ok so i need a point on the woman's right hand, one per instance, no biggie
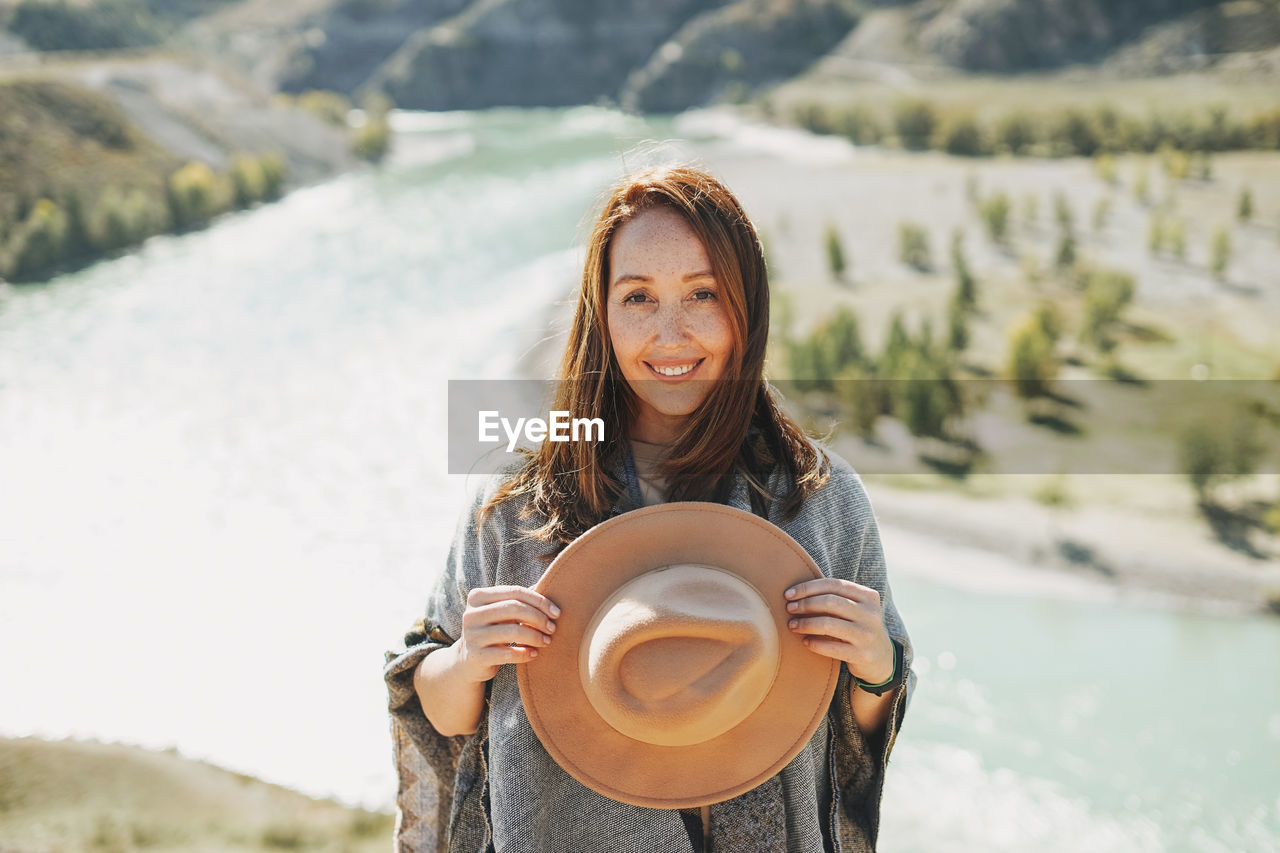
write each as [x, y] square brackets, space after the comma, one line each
[503, 624]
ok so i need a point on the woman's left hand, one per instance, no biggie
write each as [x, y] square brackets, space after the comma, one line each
[843, 620]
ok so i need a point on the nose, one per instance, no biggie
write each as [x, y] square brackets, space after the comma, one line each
[672, 325]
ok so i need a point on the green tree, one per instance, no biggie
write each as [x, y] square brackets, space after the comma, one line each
[1215, 452]
[913, 246]
[193, 195]
[1177, 235]
[957, 323]
[1032, 363]
[864, 393]
[1101, 213]
[1015, 132]
[1155, 232]
[40, 240]
[1065, 257]
[1062, 212]
[1220, 252]
[897, 343]
[1244, 207]
[966, 285]
[835, 253]
[995, 215]
[841, 338]
[1107, 294]
[960, 136]
[915, 121]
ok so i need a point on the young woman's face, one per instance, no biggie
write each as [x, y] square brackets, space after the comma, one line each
[667, 319]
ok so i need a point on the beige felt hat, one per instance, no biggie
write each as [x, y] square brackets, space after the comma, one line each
[672, 680]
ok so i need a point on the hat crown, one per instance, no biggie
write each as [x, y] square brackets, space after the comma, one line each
[679, 655]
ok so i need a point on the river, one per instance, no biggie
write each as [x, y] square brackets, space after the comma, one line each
[223, 494]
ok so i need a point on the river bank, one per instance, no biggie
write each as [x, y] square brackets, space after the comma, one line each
[99, 153]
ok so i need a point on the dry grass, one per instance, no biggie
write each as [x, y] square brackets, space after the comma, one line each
[58, 795]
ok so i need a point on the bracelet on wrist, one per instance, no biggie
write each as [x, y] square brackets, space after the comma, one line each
[899, 674]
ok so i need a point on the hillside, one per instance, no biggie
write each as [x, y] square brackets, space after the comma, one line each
[59, 795]
[457, 54]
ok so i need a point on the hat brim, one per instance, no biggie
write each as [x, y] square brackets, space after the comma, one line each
[616, 551]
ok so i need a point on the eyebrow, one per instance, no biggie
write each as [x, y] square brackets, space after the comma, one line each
[636, 277]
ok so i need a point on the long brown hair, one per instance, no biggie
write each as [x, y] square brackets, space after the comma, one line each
[739, 427]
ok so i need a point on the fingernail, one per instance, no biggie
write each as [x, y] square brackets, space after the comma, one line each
[533, 653]
[791, 592]
[555, 611]
[551, 626]
[545, 639]
[793, 623]
[793, 606]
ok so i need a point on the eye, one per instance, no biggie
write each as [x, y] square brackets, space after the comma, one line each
[704, 295]
[635, 298]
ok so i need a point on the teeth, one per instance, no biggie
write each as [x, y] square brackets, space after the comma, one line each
[675, 371]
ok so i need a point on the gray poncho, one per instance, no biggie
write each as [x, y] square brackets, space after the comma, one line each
[499, 789]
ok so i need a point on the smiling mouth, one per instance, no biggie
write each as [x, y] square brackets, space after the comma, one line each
[671, 371]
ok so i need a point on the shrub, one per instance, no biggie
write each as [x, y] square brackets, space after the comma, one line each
[897, 343]
[248, 182]
[957, 323]
[332, 107]
[1048, 320]
[39, 243]
[835, 253]
[76, 240]
[1214, 452]
[810, 370]
[1177, 237]
[828, 350]
[815, 118]
[1176, 163]
[1203, 166]
[915, 121]
[961, 137]
[373, 138]
[913, 246]
[1272, 522]
[1220, 252]
[1062, 212]
[1101, 212]
[1015, 132]
[1065, 257]
[966, 285]
[1244, 206]
[1107, 294]
[841, 339]
[995, 215]
[860, 125]
[275, 171]
[193, 195]
[1105, 165]
[865, 395]
[1141, 190]
[925, 399]
[1032, 363]
[1155, 232]
[1073, 134]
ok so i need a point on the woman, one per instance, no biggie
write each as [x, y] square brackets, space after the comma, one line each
[667, 345]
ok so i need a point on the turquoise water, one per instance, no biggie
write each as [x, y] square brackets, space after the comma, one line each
[224, 495]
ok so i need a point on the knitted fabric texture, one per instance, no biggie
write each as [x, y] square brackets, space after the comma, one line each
[499, 789]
